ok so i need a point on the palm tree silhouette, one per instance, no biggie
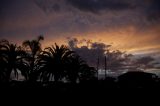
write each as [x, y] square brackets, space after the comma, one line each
[3, 62]
[53, 62]
[33, 49]
[77, 69]
[74, 67]
[11, 59]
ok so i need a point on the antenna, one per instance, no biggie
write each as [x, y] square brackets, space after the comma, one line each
[105, 68]
[97, 66]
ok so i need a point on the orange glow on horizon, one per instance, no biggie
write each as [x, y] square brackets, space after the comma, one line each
[123, 39]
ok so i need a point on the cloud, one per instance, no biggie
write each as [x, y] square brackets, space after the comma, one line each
[98, 5]
[137, 13]
[145, 60]
[89, 51]
[58, 19]
[48, 6]
[153, 12]
[94, 54]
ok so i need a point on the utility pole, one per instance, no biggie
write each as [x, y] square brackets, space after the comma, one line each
[97, 67]
[105, 68]
[106, 62]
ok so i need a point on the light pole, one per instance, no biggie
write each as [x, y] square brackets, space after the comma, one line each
[105, 64]
[97, 66]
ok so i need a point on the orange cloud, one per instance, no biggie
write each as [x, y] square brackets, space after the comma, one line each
[125, 39]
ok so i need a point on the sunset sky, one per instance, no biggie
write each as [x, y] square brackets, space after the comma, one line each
[128, 25]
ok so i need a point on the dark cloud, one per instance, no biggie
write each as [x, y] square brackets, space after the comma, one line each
[116, 60]
[141, 14]
[146, 62]
[90, 51]
[153, 12]
[98, 5]
[48, 5]
[2, 3]
[56, 7]
[98, 45]
[93, 52]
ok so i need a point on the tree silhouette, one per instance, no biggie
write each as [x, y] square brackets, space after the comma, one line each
[87, 73]
[78, 69]
[3, 62]
[53, 61]
[59, 63]
[11, 59]
[74, 67]
[33, 49]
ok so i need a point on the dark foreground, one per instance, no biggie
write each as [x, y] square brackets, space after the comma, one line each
[128, 81]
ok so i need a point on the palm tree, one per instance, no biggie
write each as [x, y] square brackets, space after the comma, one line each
[77, 69]
[34, 48]
[2, 65]
[2, 62]
[11, 59]
[53, 62]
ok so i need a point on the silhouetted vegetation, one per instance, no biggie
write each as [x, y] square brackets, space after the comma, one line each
[60, 68]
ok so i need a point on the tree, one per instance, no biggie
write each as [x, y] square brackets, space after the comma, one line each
[53, 61]
[87, 73]
[34, 48]
[11, 59]
[78, 69]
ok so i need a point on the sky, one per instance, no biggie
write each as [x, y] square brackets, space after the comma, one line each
[127, 25]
